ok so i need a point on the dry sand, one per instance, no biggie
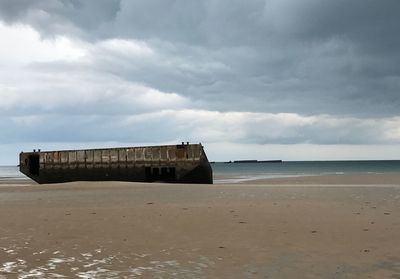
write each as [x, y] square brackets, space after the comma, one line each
[281, 228]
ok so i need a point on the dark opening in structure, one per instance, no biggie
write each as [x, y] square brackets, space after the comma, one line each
[34, 164]
[171, 173]
[160, 174]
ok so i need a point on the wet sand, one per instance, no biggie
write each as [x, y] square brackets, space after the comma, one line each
[309, 227]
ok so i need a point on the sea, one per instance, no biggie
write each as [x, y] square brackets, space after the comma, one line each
[10, 173]
[242, 172]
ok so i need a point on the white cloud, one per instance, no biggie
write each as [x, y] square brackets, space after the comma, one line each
[391, 129]
[28, 86]
[222, 151]
[21, 45]
[241, 73]
[266, 128]
[124, 47]
[86, 95]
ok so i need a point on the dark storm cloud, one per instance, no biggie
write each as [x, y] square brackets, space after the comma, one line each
[54, 17]
[337, 61]
[369, 23]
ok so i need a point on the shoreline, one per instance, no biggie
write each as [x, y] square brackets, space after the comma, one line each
[331, 179]
[351, 178]
[355, 178]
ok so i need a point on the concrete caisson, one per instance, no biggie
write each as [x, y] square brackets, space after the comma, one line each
[182, 163]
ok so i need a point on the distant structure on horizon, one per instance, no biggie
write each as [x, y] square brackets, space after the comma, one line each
[256, 161]
[249, 161]
[182, 163]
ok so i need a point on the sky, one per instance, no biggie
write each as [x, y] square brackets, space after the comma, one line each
[249, 79]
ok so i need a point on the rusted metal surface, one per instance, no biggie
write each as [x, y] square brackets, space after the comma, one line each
[183, 163]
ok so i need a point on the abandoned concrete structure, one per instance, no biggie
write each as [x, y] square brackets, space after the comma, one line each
[183, 163]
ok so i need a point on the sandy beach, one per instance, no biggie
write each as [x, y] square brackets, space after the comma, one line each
[334, 226]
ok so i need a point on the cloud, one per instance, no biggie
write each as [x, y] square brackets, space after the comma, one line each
[21, 44]
[54, 77]
[274, 56]
[200, 125]
[247, 72]
[222, 151]
[61, 16]
[79, 94]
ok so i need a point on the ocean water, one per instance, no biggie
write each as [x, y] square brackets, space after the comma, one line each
[10, 172]
[241, 172]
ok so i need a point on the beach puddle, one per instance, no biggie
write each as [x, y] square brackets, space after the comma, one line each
[97, 264]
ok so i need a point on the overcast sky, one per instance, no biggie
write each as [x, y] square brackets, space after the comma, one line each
[271, 79]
